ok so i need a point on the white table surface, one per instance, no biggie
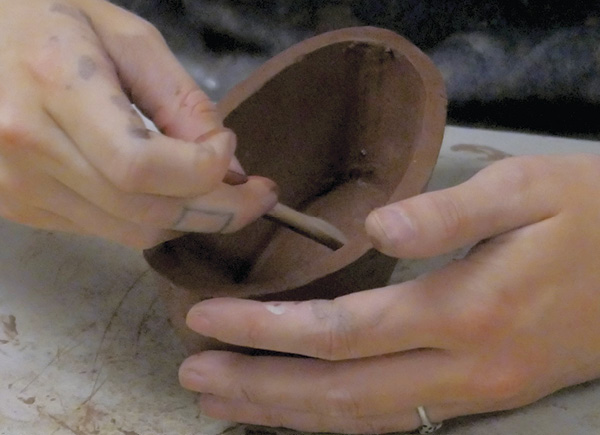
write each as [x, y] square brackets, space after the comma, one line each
[85, 348]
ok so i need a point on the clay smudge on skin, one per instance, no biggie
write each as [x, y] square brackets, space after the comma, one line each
[123, 104]
[486, 153]
[138, 132]
[87, 67]
[135, 129]
[277, 309]
[332, 315]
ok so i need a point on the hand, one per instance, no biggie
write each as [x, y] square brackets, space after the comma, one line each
[74, 154]
[516, 319]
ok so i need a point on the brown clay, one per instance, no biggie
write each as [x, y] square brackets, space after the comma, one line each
[344, 122]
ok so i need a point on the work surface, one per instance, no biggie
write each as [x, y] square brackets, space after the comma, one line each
[85, 347]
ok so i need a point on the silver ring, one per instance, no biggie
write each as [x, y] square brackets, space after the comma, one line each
[426, 425]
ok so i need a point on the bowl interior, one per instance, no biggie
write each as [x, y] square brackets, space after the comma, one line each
[336, 129]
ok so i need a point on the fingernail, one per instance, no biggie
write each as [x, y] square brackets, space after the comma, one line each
[234, 178]
[209, 134]
[197, 321]
[394, 226]
[190, 377]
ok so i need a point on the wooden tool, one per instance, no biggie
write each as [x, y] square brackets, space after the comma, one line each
[309, 226]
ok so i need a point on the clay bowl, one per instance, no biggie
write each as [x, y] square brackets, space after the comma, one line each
[344, 122]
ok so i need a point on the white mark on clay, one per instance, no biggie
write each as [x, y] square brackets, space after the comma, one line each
[276, 309]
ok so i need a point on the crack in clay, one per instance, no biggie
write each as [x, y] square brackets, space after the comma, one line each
[97, 385]
[64, 425]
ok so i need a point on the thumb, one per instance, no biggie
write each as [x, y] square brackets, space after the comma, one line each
[151, 74]
[508, 194]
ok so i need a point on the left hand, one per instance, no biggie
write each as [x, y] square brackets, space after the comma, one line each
[515, 320]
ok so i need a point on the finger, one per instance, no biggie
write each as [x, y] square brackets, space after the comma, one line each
[228, 208]
[274, 416]
[111, 229]
[14, 210]
[506, 195]
[367, 390]
[225, 209]
[79, 82]
[132, 158]
[151, 74]
[375, 322]
[458, 307]
[41, 197]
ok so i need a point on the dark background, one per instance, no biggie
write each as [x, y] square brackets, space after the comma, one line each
[526, 65]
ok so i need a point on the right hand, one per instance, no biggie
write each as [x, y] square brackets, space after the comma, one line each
[76, 157]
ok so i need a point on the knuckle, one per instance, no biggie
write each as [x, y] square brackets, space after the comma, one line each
[195, 100]
[335, 337]
[449, 212]
[48, 64]
[254, 332]
[338, 344]
[44, 67]
[190, 103]
[504, 387]
[514, 175]
[480, 321]
[15, 131]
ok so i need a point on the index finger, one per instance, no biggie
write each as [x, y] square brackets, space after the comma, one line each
[452, 308]
[151, 74]
[363, 324]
